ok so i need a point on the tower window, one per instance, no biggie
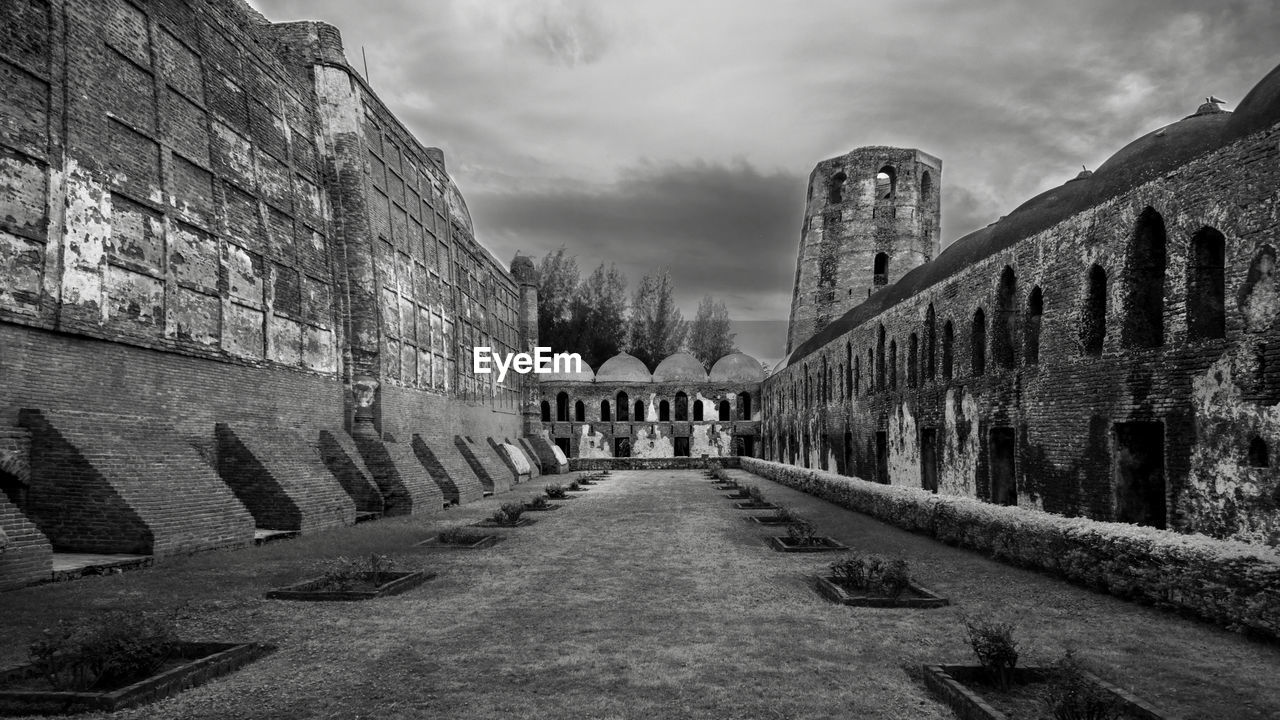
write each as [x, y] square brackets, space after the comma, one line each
[880, 270]
[886, 183]
[926, 184]
[835, 188]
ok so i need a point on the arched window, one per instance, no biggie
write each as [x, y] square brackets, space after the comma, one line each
[744, 402]
[605, 415]
[1206, 286]
[835, 188]
[926, 184]
[1035, 312]
[1258, 455]
[857, 375]
[880, 358]
[579, 411]
[682, 407]
[562, 407]
[880, 270]
[871, 370]
[1144, 283]
[641, 414]
[979, 343]
[893, 364]
[664, 411]
[849, 374]
[726, 410]
[622, 406]
[1002, 347]
[546, 411]
[948, 349]
[697, 410]
[886, 183]
[913, 357]
[1093, 319]
[930, 343]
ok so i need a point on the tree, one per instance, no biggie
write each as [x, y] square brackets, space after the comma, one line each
[709, 336]
[600, 315]
[657, 328]
[557, 286]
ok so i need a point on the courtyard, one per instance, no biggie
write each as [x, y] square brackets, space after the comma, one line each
[648, 596]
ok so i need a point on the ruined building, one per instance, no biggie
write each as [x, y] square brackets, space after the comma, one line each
[1107, 349]
[237, 296]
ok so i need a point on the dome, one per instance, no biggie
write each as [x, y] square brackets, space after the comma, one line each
[1259, 110]
[1158, 152]
[738, 367]
[623, 368]
[680, 367]
[583, 376]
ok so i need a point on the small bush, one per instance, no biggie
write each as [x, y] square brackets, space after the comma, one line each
[756, 495]
[1072, 695]
[895, 577]
[105, 651]
[460, 536]
[802, 532]
[555, 492]
[574, 486]
[996, 649]
[539, 503]
[786, 514]
[872, 572]
[342, 573]
[508, 514]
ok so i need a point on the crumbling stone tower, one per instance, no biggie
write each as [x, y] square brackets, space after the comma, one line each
[871, 216]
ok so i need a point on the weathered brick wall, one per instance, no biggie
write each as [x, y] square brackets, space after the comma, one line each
[663, 463]
[27, 556]
[406, 486]
[282, 480]
[865, 406]
[450, 470]
[493, 474]
[106, 484]
[1232, 583]
[338, 452]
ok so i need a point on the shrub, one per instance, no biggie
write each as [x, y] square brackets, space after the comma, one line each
[109, 650]
[508, 514]
[539, 502]
[1072, 695]
[460, 536]
[802, 532]
[996, 649]
[872, 572]
[895, 577]
[574, 486]
[850, 571]
[555, 492]
[786, 514]
[756, 495]
[342, 573]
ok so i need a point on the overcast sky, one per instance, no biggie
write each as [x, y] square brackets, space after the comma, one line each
[681, 133]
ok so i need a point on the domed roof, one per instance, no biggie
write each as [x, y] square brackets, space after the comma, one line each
[1259, 110]
[738, 367]
[680, 367]
[585, 375]
[1159, 151]
[623, 368]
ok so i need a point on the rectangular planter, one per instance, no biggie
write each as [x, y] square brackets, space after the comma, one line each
[548, 508]
[206, 661]
[522, 522]
[950, 684]
[754, 506]
[916, 596]
[826, 544]
[399, 582]
[768, 520]
[434, 543]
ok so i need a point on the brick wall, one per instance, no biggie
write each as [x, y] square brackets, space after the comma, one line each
[450, 470]
[494, 476]
[27, 556]
[338, 451]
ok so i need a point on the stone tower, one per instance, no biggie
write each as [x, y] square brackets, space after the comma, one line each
[870, 217]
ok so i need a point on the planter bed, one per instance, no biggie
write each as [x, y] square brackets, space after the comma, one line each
[396, 583]
[915, 596]
[824, 544]
[548, 508]
[434, 543]
[958, 686]
[755, 506]
[768, 520]
[193, 664]
[522, 522]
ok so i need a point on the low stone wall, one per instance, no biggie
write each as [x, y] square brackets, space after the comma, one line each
[670, 463]
[1228, 582]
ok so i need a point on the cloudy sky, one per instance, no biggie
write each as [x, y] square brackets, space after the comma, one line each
[679, 134]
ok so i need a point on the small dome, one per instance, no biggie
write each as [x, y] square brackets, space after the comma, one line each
[585, 375]
[738, 367]
[680, 367]
[623, 368]
[1259, 110]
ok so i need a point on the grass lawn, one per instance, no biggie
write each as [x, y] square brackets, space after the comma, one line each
[648, 597]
